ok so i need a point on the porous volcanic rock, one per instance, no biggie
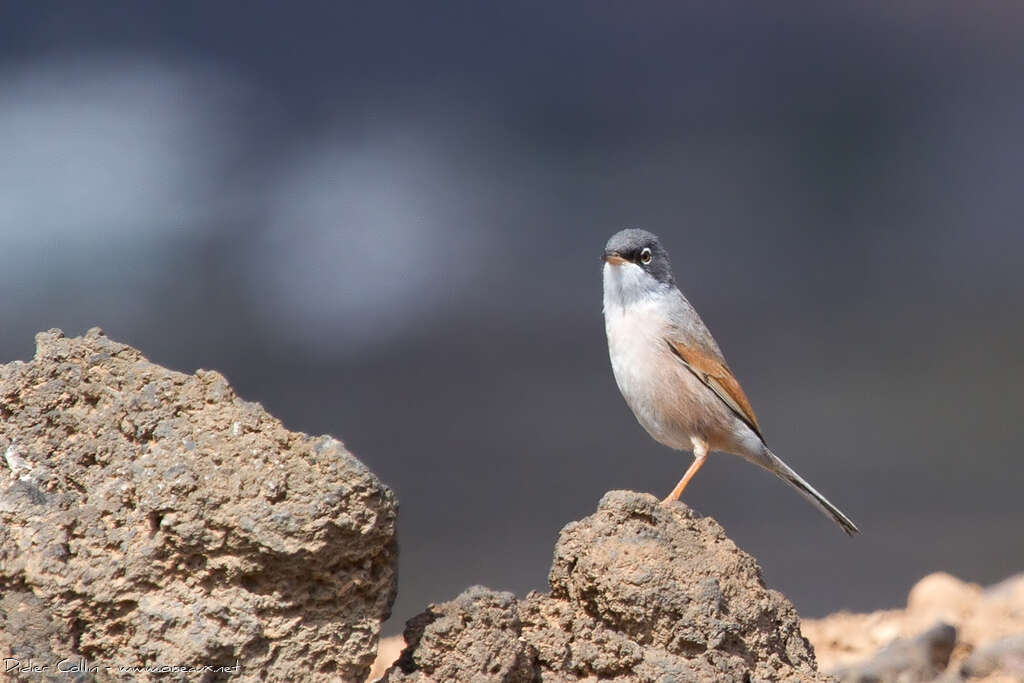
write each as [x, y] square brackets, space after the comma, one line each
[150, 517]
[639, 592]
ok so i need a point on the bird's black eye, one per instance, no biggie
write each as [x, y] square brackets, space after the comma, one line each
[645, 256]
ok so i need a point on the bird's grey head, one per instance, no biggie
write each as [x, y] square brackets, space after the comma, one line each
[642, 249]
[636, 268]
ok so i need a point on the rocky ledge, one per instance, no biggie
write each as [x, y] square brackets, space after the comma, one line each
[149, 517]
[639, 592]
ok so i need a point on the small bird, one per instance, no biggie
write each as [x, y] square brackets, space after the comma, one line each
[672, 373]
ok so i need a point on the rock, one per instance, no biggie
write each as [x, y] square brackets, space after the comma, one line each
[981, 616]
[388, 651]
[941, 594]
[149, 517]
[482, 628]
[906, 660]
[1004, 656]
[639, 592]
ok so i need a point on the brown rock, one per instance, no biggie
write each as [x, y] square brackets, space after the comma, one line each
[905, 660]
[1004, 656]
[942, 595]
[981, 616]
[149, 517]
[639, 592]
[482, 628]
[388, 651]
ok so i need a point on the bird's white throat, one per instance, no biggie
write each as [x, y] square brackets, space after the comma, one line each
[628, 284]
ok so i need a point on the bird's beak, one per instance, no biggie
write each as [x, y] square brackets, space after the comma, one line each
[612, 258]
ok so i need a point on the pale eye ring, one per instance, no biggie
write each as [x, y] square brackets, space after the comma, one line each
[645, 256]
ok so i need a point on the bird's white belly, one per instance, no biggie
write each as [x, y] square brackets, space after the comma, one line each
[648, 375]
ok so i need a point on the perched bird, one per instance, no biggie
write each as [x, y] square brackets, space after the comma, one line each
[672, 373]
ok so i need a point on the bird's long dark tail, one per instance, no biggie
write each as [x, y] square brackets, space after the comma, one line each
[774, 464]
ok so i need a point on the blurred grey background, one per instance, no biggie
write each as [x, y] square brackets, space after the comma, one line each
[384, 220]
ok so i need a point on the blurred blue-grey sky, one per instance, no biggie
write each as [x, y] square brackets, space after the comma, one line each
[383, 221]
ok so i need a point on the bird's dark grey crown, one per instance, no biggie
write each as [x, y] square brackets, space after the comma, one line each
[630, 245]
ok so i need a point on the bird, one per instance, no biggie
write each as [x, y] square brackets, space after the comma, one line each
[672, 373]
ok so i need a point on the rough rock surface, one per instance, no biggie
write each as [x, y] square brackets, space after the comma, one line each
[989, 625]
[1004, 656]
[906, 660]
[639, 592]
[149, 517]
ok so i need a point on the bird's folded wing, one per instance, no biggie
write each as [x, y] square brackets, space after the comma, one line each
[717, 376]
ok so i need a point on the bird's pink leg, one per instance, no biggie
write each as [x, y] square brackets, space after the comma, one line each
[700, 454]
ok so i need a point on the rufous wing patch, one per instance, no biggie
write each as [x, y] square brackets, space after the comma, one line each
[718, 377]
